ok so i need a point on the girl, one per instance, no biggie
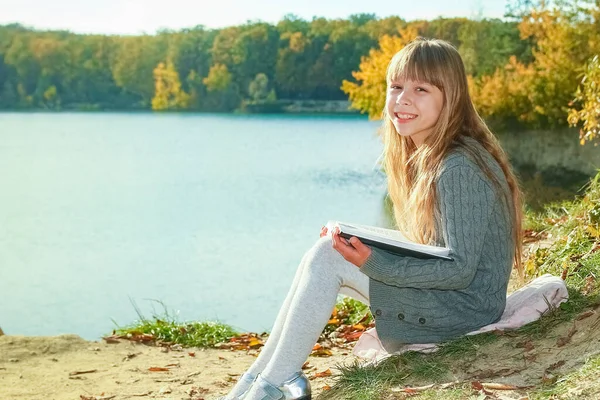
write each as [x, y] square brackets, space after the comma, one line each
[451, 185]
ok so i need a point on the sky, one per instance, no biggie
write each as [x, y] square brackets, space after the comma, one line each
[130, 17]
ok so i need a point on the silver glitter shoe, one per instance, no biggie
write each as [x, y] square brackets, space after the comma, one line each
[295, 388]
[245, 377]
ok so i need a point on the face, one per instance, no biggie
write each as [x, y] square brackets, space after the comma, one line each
[414, 108]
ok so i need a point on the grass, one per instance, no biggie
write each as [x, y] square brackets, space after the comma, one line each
[165, 328]
[581, 384]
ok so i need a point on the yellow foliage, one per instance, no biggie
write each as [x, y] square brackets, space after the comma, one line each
[539, 93]
[168, 94]
[506, 93]
[368, 93]
[588, 97]
[218, 79]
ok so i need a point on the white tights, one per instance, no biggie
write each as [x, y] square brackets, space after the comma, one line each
[321, 275]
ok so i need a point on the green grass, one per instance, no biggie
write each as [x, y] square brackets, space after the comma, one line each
[165, 328]
[580, 384]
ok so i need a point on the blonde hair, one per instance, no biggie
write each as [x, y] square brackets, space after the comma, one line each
[413, 171]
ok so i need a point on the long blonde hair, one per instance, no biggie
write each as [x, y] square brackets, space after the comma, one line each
[412, 171]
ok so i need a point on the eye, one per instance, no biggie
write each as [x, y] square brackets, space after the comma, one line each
[395, 86]
[421, 89]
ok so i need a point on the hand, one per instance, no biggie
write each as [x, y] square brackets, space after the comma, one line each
[323, 231]
[352, 250]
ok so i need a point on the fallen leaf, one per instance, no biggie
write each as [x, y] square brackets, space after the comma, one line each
[158, 369]
[499, 386]
[82, 372]
[192, 354]
[322, 353]
[526, 345]
[326, 387]
[566, 339]
[111, 339]
[556, 365]
[412, 390]
[480, 388]
[322, 374]
[590, 283]
[488, 373]
[585, 315]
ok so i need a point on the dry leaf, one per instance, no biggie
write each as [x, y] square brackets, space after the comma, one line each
[585, 315]
[192, 354]
[158, 369]
[499, 386]
[322, 353]
[82, 372]
[526, 345]
[566, 339]
[412, 390]
[322, 374]
[556, 365]
[479, 387]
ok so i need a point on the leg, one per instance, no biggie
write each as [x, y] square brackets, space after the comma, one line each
[267, 351]
[324, 273]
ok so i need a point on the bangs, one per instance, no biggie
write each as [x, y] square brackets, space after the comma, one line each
[420, 61]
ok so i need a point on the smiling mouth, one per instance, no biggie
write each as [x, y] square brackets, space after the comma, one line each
[404, 116]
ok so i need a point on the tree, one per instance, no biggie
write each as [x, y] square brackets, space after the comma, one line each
[259, 87]
[368, 93]
[168, 94]
[587, 98]
[222, 93]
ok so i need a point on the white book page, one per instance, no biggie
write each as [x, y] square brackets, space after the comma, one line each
[389, 236]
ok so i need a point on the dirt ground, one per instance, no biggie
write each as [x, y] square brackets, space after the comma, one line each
[68, 367]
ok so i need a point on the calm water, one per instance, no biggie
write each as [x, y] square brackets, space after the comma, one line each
[209, 214]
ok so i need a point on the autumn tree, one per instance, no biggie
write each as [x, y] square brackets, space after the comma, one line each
[587, 98]
[168, 94]
[368, 93]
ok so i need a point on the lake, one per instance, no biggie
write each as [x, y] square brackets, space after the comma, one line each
[208, 214]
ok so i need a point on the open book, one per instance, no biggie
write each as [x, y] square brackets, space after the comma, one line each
[389, 240]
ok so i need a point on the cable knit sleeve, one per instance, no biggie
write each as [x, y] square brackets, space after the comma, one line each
[466, 200]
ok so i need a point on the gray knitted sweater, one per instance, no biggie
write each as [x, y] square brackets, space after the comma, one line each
[425, 301]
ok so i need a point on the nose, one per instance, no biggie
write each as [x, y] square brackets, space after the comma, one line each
[403, 98]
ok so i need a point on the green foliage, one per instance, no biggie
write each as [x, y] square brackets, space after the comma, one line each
[573, 231]
[302, 60]
[259, 87]
[165, 327]
[349, 311]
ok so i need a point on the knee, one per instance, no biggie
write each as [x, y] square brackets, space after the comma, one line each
[321, 254]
